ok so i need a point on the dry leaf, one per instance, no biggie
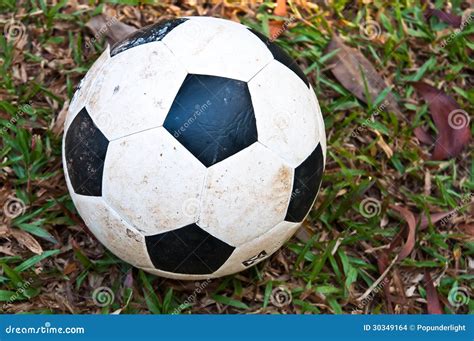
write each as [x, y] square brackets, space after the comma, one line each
[434, 217]
[423, 136]
[110, 28]
[434, 307]
[26, 240]
[468, 229]
[348, 67]
[451, 121]
[408, 216]
[276, 26]
[449, 18]
[58, 125]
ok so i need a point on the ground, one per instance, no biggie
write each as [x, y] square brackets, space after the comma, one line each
[379, 178]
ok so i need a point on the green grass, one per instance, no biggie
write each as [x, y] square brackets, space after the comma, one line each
[326, 272]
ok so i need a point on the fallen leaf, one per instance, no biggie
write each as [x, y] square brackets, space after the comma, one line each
[452, 122]
[468, 229]
[434, 307]
[70, 268]
[110, 28]
[27, 240]
[382, 264]
[434, 217]
[276, 26]
[348, 65]
[449, 18]
[408, 216]
[58, 125]
[6, 250]
[423, 136]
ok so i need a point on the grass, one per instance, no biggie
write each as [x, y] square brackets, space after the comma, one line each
[324, 269]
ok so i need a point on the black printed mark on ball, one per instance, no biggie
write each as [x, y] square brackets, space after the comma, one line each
[85, 148]
[254, 259]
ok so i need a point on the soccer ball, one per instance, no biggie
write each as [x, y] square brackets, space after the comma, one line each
[194, 148]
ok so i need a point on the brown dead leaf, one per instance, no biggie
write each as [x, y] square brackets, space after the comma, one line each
[434, 307]
[348, 66]
[408, 216]
[382, 264]
[434, 217]
[276, 26]
[449, 18]
[58, 125]
[6, 250]
[468, 229]
[451, 121]
[423, 136]
[110, 28]
[70, 268]
[27, 240]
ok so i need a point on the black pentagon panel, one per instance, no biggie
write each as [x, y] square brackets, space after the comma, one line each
[212, 117]
[85, 148]
[282, 56]
[148, 34]
[187, 250]
[305, 186]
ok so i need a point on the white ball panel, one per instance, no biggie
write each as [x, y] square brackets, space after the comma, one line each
[128, 98]
[286, 116]
[112, 231]
[86, 87]
[178, 276]
[245, 195]
[218, 47]
[268, 242]
[153, 181]
[322, 130]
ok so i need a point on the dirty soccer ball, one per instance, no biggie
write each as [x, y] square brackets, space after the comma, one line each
[194, 148]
